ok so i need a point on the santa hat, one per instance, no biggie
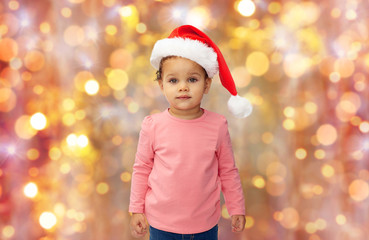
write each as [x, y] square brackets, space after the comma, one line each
[191, 43]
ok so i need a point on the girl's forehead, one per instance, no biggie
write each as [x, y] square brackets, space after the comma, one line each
[181, 63]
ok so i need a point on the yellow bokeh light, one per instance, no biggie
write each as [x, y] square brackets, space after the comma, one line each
[319, 154]
[258, 181]
[23, 127]
[34, 60]
[249, 222]
[257, 63]
[274, 7]
[82, 141]
[126, 177]
[295, 65]
[111, 30]
[33, 154]
[8, 231]
[364, 127]
[340, 219]
[327, 170]
[69, 119]
[30, 190]
[310, 107]
[289, 124]
[45, 27]
[359, 190]
[301, 153]
[72, 140]
[55, 153]
[92, 87]
[102, 188]
[117, 79]
[38, 121]
[126, 11]
[8, 49]
[74, 35]
[68, 104]
[66, 12]
[326, 134]
[246, 8]
[289, 112]
[47, 220]
[290, 218]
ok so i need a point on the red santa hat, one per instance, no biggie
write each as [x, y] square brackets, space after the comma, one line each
[191, 43]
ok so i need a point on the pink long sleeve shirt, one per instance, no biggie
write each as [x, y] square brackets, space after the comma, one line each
[180, 169]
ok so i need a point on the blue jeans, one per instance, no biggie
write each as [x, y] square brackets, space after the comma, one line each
[156, 234]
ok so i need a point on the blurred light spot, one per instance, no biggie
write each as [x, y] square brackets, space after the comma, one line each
[257, 63]
[102, 188]
[72, 140]
[38, 89]
[30, 190]
[225, 213]
[318, 190]
[336, 12]
[80, 114]
[310, 227]
[33, 171]
[38, 121]
[120, 59]
[8, 231]
[8, 99]
[47, 220]
[117, 79]
[81, 78]
[289, 112]
[65, 168]
[267, 137]
[11, 149]
[241, 77]
[8, 49]
[319, 154]
[344, 67]
[249, 222]
[199, 17]
[15, 63]
[133, 107]
[117, 140]
[289, 124]
[92, 87]
[69, 119]
[351, 14]
[301, 153]
[341, 219]
[82, 141]
[310, 107]
[45, 27]
[9, 77]
[276, 169]
[126, 177]
[59, 209]
[258, 181]
[68, 104]
[275, 185]
[326, 134]
[334, 77]
[321, 224]
[246, 8]
[327, 170]
[126, 11]
[74, 35]
[364, 127]
[359, 190]
[290, 218]
[23, 127]
[66, 12]
[111, 30]
[295, 65]
[274, 7]
[55, 153]
[33, 154]
[34, 61]
[141, 28]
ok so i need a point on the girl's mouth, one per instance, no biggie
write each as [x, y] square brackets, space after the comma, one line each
[184, 97]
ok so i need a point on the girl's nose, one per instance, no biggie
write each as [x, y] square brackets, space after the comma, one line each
[183, 87]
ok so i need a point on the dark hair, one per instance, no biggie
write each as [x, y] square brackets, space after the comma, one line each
[159, 72]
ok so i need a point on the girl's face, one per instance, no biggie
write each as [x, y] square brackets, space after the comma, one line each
[183, 83]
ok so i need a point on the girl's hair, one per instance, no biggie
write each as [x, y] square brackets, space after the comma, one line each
[159, 72]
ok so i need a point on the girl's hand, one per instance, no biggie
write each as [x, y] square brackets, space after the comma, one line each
[238, 223]
[138, 225]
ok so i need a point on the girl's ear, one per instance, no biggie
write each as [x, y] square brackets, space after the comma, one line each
[207, 85]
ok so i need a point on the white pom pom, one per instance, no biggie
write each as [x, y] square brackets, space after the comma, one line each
[239, 106]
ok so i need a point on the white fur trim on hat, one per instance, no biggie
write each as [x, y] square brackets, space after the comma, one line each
[239, 106]
[186, 48]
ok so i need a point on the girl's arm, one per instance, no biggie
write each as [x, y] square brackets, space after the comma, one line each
[228, 174]
[142, 168]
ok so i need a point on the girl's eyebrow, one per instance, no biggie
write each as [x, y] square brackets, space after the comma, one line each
[195, 73]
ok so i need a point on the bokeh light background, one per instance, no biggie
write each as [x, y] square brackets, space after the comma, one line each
[76, 83]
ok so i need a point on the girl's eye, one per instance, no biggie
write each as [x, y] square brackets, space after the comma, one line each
[192, 80]
[173, 80]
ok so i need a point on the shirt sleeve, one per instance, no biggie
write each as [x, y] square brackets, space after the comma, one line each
[228, 174]
[142, 168]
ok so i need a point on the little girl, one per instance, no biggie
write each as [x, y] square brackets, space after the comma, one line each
[184, 156]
